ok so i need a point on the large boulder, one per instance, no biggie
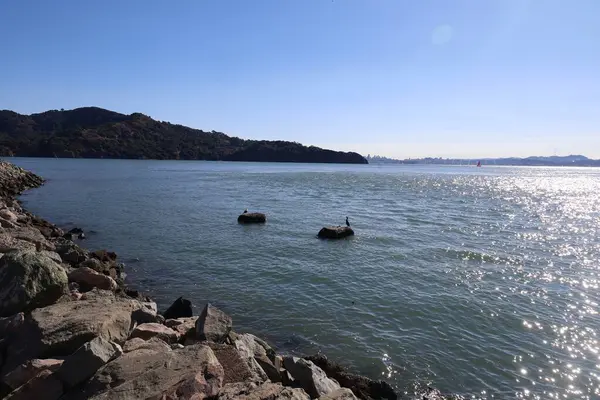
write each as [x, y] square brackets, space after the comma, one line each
[86, 360]
[9, 243]
[236, 370]
[32, 235]
[8, 215]
[60, 329]
[362, 386]
[146, 373]
[147, 313]
[88, 279]
[29, 280]
[310, 377]
[71, 253]
[254, 352]
[181, 308]
[264, 391]
[335, 232]
[152, 344]
[252, 218]
[150, 330]
[213, 324]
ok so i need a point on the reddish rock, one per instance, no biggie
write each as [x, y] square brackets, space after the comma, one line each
[150, 330]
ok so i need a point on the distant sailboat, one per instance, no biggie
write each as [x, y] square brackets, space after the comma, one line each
[479, 163]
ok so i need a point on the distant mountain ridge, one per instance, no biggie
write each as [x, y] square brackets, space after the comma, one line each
[548, 161]
[92, 132]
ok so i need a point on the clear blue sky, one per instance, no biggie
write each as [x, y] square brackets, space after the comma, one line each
[402, 78]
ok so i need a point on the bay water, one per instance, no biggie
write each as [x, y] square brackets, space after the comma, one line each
[477, 281]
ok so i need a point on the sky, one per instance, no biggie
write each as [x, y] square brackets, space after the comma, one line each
[398, 78]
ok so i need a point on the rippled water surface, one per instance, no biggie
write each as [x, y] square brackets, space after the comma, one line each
[481, 282]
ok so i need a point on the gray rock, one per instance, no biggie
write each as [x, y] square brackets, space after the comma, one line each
[34, 236]
[236, 370]
[186, 327]
[310, 377]
[94, 264]
[8, 215]
[265, 391]
[253, 351]
[60, 329]
[86, 360]
[9, 243]
[252, 218]
[71, 253]
[213, 324]
[29, 280]
[145, 374]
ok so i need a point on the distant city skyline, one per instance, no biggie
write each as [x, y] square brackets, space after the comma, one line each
[456, 79]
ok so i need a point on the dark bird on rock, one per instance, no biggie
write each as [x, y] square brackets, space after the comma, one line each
[347, 222]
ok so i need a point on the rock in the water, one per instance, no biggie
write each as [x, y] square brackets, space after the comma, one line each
[76, 231]
[335, 232]
[88, 279]
[86, 360]
[154, 344]
[252, 218]
[150, 330]
[44, 386]
[213, 324]
[254, 352]
[29, 280]
[362, 387]
[146, 374]
[181, 308]
[265, 391]
[310, 377]
[60, 329]
[27, 371]
[186, 327]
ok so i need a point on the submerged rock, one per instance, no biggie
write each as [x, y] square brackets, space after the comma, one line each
[252, 218]
[335, 232]
[29, 280]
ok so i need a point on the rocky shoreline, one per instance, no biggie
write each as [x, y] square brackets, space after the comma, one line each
[71, 329]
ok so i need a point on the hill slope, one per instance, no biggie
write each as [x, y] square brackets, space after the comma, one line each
[92, 132]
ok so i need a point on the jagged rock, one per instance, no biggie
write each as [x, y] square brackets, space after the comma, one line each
[150, 330]
[310, 377]
[32, 235]
[145, 374]
[340, 394]
[252, 218]
[335, 232]
[88, 279]
[29, 280]
[147, 313]
[186, 327]
[154, 344]
[60, 329]
[236, 370]
[254, 352]
[265, 391]
[27, 371]
[54, 256]
[362, 387]
[213, 324]
[44, 386]
[181, 308]
[86, 360]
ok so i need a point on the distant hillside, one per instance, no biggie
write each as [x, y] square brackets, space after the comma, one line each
[551, 161]
[93, 132]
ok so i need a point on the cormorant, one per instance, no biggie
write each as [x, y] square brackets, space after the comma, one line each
[347, 222]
